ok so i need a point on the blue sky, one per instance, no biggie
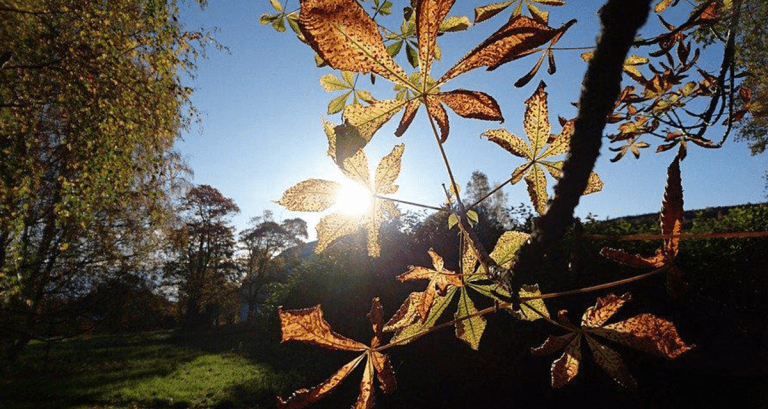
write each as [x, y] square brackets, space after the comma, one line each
[262, 104]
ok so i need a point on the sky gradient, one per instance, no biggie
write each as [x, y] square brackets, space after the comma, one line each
[262, 107]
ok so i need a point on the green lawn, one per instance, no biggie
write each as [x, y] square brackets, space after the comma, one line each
[164, 369]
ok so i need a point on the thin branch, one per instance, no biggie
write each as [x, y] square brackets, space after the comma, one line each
[596, 287]
[683, 236]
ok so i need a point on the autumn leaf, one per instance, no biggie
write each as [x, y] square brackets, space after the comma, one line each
[409, 332]
[469, 330]
[507, 246]
[318, 195]
[312, 195]
[644, 332]
[439, 280]
[537, 128]
[304, 397]
[630, 65]
[517, 38]
[346, 38]
[369, 118]
[671, 220]
[308, 325]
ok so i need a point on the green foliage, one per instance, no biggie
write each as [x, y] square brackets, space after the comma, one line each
[91, 103]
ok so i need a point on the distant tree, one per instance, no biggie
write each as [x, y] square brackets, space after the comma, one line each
[91, 102]
[494, 207]
[201, 264]
[265, 244]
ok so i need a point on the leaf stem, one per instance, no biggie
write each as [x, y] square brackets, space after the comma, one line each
[409, 203]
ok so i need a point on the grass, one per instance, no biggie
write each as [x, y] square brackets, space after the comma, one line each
[164, 369]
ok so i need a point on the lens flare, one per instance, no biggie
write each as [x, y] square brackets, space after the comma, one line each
[353, 198]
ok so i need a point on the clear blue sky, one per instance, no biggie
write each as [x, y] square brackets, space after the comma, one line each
[262, 105]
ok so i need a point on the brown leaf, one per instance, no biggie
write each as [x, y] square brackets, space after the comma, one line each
[603, 310]
[308, 325]
[633, 260]
[565, 368]
[384, 372]
[612, 364]
[647, 333]
[410, 112]
[355, 167]
[437, 112]
[429, 15]
[346, 38]
[472, 104]
[518, 38]
[671, 215]
[554, 344]
[376, 316]
[304, 397]
[365, 399]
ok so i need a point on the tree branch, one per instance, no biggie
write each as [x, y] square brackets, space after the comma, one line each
[621, 20]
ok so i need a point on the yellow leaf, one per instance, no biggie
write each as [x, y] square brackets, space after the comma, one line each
[388, 170]
[356, 168]
[332, 227]
[346, 38]
[536, 120]
[409, 332]
[373, 221]
[469, 330]
[369, 118]
[485, 12]
[505, 251]
[531, 310]
[512, 143]
[308, 325]
[406, 315]
[312, 195]
[537, 188]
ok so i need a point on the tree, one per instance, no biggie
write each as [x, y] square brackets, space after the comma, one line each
[202, 266]
[91, 102]
[347, 38]
[265, 244]
[492, 203]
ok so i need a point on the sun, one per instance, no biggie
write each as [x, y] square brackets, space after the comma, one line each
[353, 198]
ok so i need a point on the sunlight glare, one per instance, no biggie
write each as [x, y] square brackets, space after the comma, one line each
[353, 198]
